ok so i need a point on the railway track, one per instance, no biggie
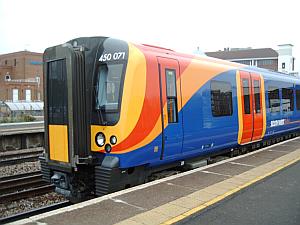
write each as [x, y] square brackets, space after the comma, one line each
[19, 157]
[34, 212]
[23, 186]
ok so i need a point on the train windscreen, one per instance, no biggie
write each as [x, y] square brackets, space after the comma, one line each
[108, 91]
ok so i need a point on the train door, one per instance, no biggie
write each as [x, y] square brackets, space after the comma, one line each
[257, 107]
[57, 110]
[170, 95]
[251, 107]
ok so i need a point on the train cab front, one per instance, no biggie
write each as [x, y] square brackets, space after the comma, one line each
[83, 93]
[67, 162]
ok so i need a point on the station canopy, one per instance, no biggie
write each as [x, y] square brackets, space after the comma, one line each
[25, 106]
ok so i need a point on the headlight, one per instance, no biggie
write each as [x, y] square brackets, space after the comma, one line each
[108, 148]
[113, 140]
[100, 139]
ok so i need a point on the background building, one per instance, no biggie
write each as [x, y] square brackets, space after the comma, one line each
[21, 76]
[281, 60]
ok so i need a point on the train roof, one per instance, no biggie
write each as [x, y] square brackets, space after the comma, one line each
[171, 53]
[263, 71]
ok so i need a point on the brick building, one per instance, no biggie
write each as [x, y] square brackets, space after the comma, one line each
[281, 60]
[21, 76]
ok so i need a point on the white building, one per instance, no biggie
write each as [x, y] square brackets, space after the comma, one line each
[286, 61]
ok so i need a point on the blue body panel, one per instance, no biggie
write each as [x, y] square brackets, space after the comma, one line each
[204, 134]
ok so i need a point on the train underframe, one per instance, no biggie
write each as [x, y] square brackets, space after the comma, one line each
[89, 181]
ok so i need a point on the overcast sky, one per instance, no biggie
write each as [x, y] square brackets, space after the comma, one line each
[182, 25]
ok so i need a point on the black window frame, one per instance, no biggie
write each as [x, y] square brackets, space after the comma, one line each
[275, 90]
[57, 92]
[217, 102]
[110, 117]
[257, 96]
[289, 94]
[171, 99]
[297, 99]
[247, 96]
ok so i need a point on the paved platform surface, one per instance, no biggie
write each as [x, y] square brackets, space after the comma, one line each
[275, 200]
[175, 198]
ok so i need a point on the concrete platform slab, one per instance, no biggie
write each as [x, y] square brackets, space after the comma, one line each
[105, 212]
[171, 210]
[198, 180]
[260, 158]
[188, 202]
[229, 169]
[150, 218]
[202, 196]
[156, 195]
[284, 147]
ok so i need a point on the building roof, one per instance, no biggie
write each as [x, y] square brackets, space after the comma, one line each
[24, 106]
[244, 54]
[25, 52]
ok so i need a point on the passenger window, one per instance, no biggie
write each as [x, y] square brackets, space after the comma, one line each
[246, 91]
[221, 98]
[257, 96]
[171, 96]
[298, 99]
[287, 99]
[274, 101]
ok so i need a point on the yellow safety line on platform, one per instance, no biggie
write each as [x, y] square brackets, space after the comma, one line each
[221, 197]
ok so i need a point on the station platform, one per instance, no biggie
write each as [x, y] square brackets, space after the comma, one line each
[8, 129]
[173, 199]
[274, 200]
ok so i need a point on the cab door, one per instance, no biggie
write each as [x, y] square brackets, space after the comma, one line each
[251, 107]
[170, 98]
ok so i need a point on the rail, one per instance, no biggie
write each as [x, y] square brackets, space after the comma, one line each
[20, 157]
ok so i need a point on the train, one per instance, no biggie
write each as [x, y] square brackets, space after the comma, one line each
[117, 112]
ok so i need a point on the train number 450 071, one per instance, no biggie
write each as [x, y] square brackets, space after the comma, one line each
[112, 56]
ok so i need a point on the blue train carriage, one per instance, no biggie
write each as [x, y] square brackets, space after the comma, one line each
[117, 112]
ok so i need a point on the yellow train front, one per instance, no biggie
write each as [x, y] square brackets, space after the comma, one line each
[117, 112]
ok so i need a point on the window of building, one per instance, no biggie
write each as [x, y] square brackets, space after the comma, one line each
[274, 101]
[298, 99]
[221, 98]
[7, 77]
[265, 62]
[257, 96]
[28, 95]
[15, 62]
[5, 62]
[15, 95]
[287, 99]
[171, 96]
[283, 65]
[246, 62]
[246, 91]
